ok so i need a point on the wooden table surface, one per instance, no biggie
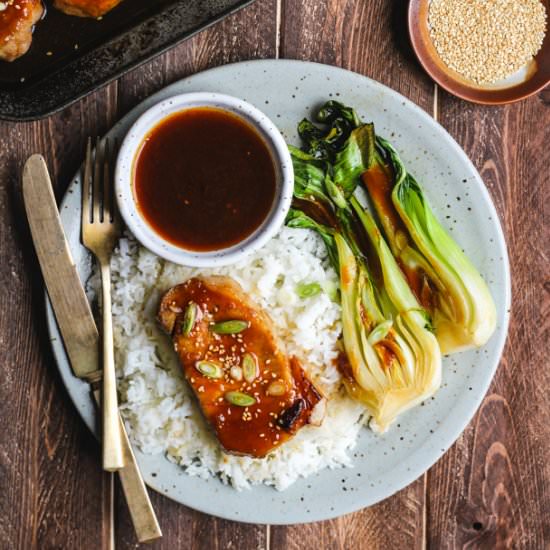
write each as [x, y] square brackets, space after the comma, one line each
[491, 489]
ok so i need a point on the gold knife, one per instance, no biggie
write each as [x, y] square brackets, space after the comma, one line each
[76, 323]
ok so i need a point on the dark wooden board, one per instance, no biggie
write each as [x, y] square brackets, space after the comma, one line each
[491, 488]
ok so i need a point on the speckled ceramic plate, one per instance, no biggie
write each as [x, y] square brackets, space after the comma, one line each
[287, 91]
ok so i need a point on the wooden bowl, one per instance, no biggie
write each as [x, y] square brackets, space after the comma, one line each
[531, 80]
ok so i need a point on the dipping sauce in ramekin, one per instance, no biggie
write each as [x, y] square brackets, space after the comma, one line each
[203, 179]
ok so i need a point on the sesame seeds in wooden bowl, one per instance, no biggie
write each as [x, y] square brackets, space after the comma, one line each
[485, 51]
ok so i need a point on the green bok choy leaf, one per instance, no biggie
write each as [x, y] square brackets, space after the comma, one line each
[441, 275]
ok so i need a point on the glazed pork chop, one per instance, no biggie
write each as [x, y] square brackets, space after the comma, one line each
[17, 19]
[253, 395]
[86, 8]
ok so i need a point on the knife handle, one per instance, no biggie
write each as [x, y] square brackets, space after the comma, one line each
[141, 510]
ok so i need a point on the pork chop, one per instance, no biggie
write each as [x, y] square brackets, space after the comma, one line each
[253, 395]
[17, 20]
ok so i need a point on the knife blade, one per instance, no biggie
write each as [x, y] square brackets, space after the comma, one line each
[76, 322]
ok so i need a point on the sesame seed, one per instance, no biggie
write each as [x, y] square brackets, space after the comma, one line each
[486, 40]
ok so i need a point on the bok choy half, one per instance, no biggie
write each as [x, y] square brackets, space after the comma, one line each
[393, 359]
[448, 285]
[443, 279]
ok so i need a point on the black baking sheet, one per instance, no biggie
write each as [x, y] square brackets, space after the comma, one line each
[71, 56]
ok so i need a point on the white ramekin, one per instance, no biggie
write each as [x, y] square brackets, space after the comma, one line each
[124, 179]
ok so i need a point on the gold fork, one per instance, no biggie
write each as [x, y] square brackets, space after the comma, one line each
[100, 229]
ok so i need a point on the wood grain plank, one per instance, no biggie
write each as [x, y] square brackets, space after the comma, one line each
[491, 490]
[396, 522]
[369, 38]
[51, 478]
[248, 34]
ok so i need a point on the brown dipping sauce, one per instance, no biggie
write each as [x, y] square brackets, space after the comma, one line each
[204, 179]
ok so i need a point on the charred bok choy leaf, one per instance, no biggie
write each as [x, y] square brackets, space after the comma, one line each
[345, 145]
[440, 274]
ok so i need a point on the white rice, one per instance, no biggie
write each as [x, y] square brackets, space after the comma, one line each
[160, 413]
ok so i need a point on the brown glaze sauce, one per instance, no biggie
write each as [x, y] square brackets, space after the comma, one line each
[380, 185]
[204, 179]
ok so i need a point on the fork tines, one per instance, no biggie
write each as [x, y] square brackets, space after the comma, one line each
[98, 196]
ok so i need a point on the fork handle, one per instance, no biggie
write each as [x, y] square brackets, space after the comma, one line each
[141, 510]
[112, 446]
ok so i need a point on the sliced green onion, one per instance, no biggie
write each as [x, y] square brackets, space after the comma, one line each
[240, 399]
[189, 318]
[308, 290]
[250, 367]
[236, 373]
[230, 327]
[276, 389]
[209, 369]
